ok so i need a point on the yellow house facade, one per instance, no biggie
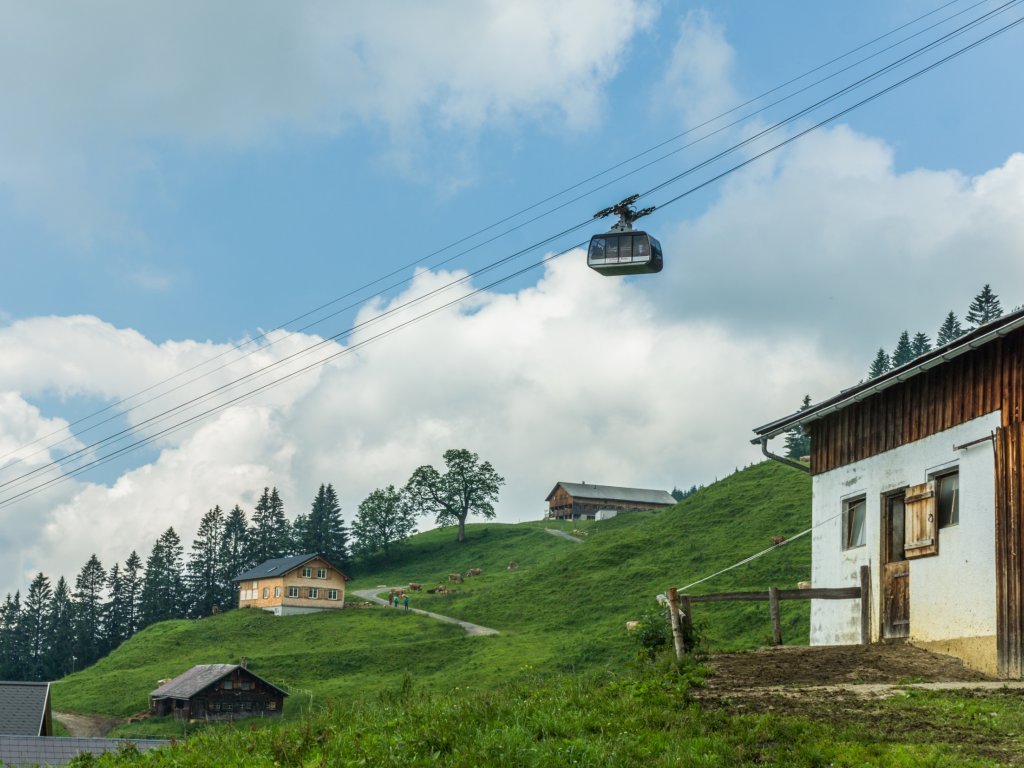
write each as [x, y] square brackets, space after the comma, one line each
[292, 585]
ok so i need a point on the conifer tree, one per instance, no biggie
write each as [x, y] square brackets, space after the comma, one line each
[115, 612]
[88, 611]
[798, 442]
[323, 531]
[235, 554]
[921, 344]
[163, 588]
[879, 365]
[949, 330]
[205, 569]
[903, 353]
[12, 646]
[984, 308]
[270, 535]
[62, 627]
[132, 586]
[36, 627]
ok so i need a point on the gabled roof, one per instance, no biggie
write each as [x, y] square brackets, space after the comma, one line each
[281, 566]
[23, 708]
[970, 341]
[613, 493]
[202, 676]
[25, 751]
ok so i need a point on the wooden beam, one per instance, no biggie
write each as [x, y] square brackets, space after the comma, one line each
[821, 593]
[865, 604]
[677, 627]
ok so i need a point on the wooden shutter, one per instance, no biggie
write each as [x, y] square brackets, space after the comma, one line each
[921, 533]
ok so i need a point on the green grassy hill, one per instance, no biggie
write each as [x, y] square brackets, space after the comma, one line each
[564, 608]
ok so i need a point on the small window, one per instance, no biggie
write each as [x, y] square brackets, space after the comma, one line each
[854, 517]
[266, 592]
[277, 591]
[314, 593]
[226, 685]
[245, 685]
[271, 704]
[949, 499]
[321, 573]
[293, 591]
[332, 594]
[255, 585]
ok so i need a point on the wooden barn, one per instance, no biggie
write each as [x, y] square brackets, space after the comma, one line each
[292, 585]
[217, 692]
[918, 474]
[584, 501]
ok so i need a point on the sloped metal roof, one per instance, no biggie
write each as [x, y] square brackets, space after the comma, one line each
[25, 751]
[202, 676]
[614, 493]
[970, 341]
[23, 708]
[280, 566]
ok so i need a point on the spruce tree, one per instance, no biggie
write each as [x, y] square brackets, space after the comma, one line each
[115, 615]
[798, 442]
[132, 586]
[12, 646]
[88, 610]
[324, 529]
[36, 627]
[204, 565]
[163, 587]
[62, 627]
[984, 308]
[903, 353]
[921, 344]
[235, 555]
[879, 365]
[949, 330]
[270, 536]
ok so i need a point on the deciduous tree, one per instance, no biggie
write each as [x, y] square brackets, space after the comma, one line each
[385, 517]
[467, 487]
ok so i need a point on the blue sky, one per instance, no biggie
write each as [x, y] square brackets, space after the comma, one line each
[184, 178]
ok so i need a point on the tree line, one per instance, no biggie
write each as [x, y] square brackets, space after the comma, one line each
[984, 307]
[56, 628]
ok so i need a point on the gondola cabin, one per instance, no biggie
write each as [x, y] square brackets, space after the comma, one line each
[624, 253]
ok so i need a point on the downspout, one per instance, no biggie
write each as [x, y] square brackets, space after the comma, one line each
[782, 459]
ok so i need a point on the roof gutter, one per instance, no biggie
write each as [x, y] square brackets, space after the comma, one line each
[781, 459]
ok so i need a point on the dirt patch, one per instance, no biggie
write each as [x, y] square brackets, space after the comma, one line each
[86, 725]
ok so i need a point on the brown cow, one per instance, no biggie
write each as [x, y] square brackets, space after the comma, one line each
[415, 587]
[776, 540]
[473, 572]
[512, 565]
[456, 577]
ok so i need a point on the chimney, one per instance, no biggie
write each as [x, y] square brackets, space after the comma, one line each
[244, 662]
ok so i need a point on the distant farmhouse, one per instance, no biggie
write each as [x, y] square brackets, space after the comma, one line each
[918, 475]
[217, 692]
[583, 501]
[292, 585]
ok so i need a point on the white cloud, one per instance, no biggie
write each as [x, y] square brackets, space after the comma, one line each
[86, 88]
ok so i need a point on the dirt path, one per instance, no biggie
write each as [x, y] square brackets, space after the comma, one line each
[86, 725]
[472, 629]
[564, 535]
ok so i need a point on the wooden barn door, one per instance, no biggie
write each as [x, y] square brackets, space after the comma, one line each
[1009, 543]
[895, 569]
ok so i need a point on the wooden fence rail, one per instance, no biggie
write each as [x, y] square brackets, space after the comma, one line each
[681, 606]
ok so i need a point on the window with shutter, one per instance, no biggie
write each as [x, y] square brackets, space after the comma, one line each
[922, 530]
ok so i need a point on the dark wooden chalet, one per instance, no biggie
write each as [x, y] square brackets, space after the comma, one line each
[919, 473]
[217, 692]
[569, 501]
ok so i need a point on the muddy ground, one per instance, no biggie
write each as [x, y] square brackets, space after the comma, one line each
[873, 689]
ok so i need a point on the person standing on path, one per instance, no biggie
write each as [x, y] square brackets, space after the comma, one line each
[405, 600]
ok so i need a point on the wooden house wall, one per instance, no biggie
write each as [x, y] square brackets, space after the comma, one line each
[334, 580]
[969, 386]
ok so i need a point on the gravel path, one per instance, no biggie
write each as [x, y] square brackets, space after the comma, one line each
[86, 725]
[472, 629]
[563, 535]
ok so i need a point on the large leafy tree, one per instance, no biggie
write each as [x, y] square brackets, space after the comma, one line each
[879, 365]
[467, 487]
[949, 330]
[984, 307]
[271, 534]
[385, 517]
[205, 571]
[88, 608]
[323, 530]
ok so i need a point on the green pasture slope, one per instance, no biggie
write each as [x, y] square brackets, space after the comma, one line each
[563, 609]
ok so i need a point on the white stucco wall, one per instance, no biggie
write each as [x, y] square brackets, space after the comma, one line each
[953, 594]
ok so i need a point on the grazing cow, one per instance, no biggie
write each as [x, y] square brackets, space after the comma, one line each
[776, 540]
[473, 572]
[456, 577]
[632, 625]
[803, 585]
[512, 565]
[415, 587]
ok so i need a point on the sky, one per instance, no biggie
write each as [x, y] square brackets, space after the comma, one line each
[383, 202]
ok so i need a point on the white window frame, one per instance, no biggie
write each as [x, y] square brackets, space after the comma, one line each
[307, 573]
[321, 573]
[293, 591]
[332, 594]
[848, 531]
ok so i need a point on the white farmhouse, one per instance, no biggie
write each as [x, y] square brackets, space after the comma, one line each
[918, 474]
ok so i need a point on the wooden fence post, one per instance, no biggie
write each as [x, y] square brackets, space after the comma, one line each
[773, 610]
[685, 613]
[677, 628]
[865, 604]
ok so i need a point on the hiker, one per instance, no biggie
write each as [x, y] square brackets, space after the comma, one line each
[396, 600]
[405, 600]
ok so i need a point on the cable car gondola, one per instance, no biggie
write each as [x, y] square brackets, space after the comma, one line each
[623, 250]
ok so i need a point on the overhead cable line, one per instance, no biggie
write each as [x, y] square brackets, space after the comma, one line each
[466, 238]
[170, 430]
